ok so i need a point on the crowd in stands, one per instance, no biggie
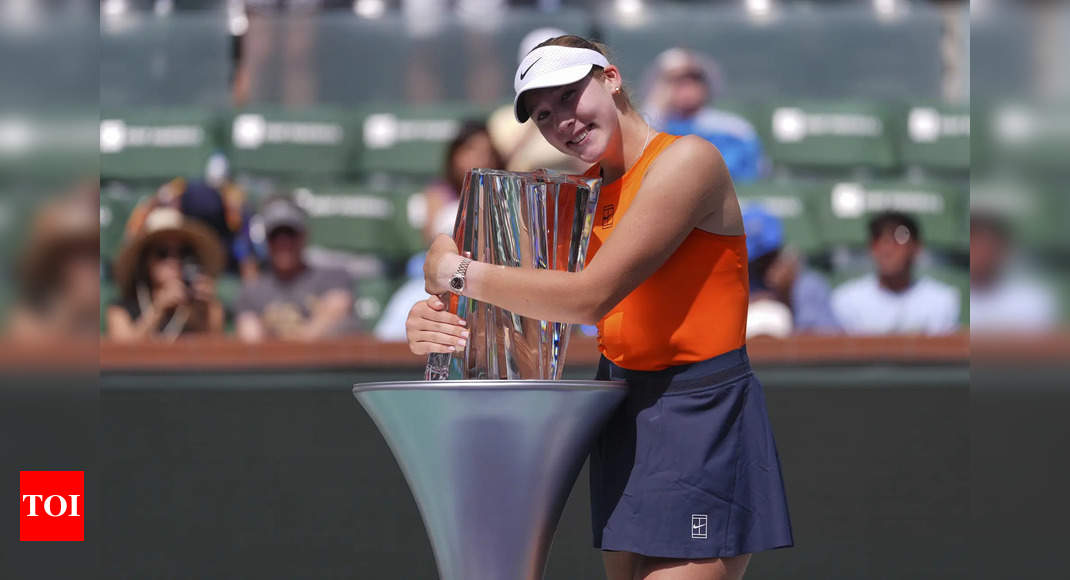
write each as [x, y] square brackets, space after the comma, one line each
[180, 240]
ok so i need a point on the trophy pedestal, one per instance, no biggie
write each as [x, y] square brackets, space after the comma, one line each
[490, 463]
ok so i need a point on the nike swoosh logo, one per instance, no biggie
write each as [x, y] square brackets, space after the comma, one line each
[529, 68]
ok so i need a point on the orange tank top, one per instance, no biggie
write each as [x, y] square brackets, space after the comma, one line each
[692, 308]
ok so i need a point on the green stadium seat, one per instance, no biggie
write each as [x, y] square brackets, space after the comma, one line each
[794, 203]
[308, 142]
[357, 219]
[371, 296]
[833, 136]
[182, 60]
[362, 60]
[156, 143]
[412, 140]
[844, 210]
[822, 49]
[1037, 214]
[935, 136]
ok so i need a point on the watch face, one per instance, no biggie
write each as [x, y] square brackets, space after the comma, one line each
[457, 283]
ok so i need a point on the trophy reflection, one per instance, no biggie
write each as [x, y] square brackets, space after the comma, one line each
[536, 220]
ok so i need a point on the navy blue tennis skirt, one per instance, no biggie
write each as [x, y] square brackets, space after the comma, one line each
[687, 466]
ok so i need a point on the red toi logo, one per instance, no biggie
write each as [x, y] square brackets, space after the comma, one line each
[51, 506]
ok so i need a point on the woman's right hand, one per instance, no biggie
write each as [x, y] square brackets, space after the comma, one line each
[431, 328]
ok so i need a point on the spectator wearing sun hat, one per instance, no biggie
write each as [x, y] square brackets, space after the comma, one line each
[166, 277]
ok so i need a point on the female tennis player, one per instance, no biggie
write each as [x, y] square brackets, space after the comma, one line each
[685, 478]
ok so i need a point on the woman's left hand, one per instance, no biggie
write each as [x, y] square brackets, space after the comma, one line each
[440, 264]
[204, 289]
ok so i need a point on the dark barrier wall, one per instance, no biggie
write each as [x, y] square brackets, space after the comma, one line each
[283, 475]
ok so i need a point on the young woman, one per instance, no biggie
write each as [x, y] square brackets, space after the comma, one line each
[685, 479]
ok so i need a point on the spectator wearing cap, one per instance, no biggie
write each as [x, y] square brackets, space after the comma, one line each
[777, 275]
[166, 276]
[293, 300]
[892, 300]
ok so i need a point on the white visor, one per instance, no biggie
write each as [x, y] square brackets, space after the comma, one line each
[552, 66]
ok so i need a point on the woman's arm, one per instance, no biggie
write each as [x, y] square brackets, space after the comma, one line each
[686, 185]
[121, 328]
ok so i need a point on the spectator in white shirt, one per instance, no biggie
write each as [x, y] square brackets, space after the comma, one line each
[1003, 296]
[892, 300]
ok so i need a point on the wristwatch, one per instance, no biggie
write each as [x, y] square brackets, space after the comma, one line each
[457, 279]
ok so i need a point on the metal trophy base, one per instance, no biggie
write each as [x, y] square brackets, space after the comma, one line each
[490, 463]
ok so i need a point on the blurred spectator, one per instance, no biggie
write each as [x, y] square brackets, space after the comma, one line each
[216, 202]
[166, 277]
[777, 274]
[59, 272]
[1003, 298]
[892, 300]
[470, 149]
[293, 300]
[426, 29]
[680, 87]
[286, 25]
[521, 144]
[391, 325]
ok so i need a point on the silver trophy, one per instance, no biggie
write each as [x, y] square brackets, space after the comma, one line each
[490, 462]
[536, 220]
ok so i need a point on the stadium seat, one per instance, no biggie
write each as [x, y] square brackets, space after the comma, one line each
[411, 140]
[831, 136]
[319, 142]
[353, 218]
[181, 60]
[371, 296]
[935, 136]
[844, 209]
[794, 203]
[156, 143]
[362, 60]
[823, 50]
[1037, 214]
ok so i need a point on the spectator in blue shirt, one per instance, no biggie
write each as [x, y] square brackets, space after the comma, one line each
[777, 274]
[680, 90]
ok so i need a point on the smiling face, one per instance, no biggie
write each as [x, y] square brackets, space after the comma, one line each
[580, 119]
